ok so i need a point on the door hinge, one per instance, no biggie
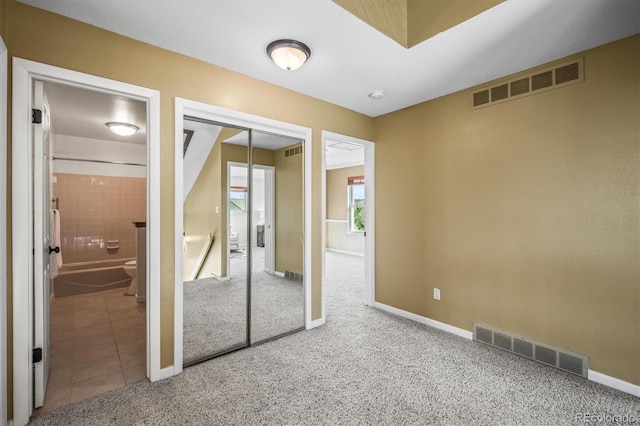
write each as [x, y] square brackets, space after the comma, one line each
[37, 355]
[36, 116]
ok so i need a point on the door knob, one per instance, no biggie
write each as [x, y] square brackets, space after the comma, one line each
[54, 249]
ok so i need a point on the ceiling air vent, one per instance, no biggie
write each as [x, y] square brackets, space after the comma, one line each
[540, 81]
[541, 352]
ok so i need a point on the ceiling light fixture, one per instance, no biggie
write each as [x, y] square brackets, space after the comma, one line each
[122, 129]
[288, 54]
[376, 94]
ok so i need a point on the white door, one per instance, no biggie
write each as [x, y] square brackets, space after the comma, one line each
[41, 209]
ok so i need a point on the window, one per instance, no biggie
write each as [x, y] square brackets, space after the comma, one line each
[356, 204]
[238, 199]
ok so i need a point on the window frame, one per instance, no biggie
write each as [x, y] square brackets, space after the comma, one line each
[353, 181]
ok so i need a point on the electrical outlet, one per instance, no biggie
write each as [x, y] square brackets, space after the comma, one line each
[436, 293]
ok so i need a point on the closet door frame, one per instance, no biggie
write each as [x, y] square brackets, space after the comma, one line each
[234, 118]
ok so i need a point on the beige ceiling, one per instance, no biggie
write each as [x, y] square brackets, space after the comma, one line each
[410, 22]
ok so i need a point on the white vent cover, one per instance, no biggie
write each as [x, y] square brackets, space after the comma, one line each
[541, 352]
[540, 81]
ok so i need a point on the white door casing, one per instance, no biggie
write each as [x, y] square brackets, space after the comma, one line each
[24, 73]
[4, 65]
[269, 223]
[369, 211]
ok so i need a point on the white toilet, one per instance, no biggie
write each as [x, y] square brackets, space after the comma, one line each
[130, 268]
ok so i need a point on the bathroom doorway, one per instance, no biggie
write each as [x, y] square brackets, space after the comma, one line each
[97, 312]
[79, 334]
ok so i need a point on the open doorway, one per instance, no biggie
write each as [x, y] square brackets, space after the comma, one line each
[35, 152]
[348, 216]
[95, 182]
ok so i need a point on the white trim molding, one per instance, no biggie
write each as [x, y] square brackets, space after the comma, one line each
[614, 383]
[24, 73]
[222, 115]
[426, 321]
[4, 64]
[349, 253]
[370, 239]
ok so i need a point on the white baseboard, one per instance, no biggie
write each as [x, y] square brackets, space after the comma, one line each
[424, 320]
[219, 278]
[167, 372]
[614, 383]
[594, 376]
[316, 323]
[279, 274]
[350, 253]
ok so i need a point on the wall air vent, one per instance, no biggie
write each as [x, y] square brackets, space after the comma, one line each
[540, 81]
[293, 151]
[541, 352]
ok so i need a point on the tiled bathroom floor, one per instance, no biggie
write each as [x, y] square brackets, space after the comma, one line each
[97, 344]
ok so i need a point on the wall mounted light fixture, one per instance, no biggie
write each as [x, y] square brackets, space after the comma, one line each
[122, 129]
[288, 54]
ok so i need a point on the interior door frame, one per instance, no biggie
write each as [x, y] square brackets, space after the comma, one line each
[231, 164]
[24, 73]
[236, 118]
[4, 64]
[369, 212]
[269, 209]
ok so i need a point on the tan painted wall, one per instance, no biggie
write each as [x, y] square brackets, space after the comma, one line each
[289, 211]
[3, 19]
[337, 191]
[338, 236]
[525, 214]
[71, 44]
[201, 219]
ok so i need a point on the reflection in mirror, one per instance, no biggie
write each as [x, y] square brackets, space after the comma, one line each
[277, 223]
[215, 260]
[243, 211]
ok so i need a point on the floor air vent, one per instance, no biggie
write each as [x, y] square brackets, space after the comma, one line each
[294, 276]
[540, 81]
[541, 352]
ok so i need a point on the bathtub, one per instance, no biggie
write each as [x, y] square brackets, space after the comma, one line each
[89, 277]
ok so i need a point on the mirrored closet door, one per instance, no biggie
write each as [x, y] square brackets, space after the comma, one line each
[243, 238]
[277, 293]
[215, 223]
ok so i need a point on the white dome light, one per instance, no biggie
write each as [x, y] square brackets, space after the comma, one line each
[288, 54]
[122, 129]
